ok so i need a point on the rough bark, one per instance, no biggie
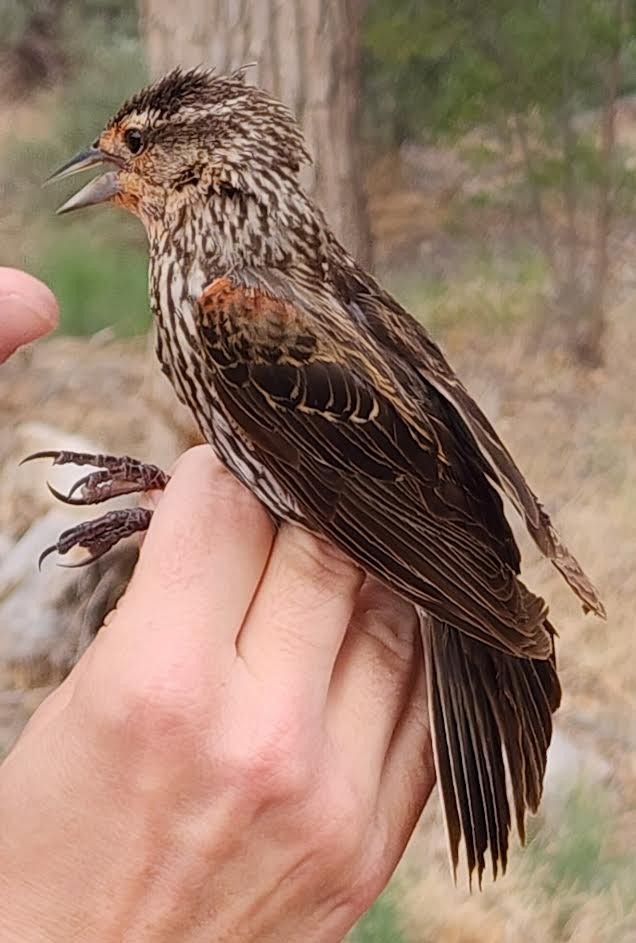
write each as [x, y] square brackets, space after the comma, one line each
[305, 52]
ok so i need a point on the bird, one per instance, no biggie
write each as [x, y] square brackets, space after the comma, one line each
[336, 408]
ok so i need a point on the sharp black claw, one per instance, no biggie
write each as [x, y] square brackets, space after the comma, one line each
[46, 553]
[78, 484]
[46, 454]
[65, 498]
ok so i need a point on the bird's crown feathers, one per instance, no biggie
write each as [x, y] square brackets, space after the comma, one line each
[205, 107]
[181, 89]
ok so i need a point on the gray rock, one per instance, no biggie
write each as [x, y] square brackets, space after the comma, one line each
[30, 599]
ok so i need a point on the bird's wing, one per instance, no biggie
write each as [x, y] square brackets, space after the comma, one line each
[364, 472]
[400, 333]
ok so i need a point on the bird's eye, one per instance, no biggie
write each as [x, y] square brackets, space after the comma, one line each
[134, 140]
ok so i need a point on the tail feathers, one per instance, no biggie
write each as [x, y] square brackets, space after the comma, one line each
[491, 722]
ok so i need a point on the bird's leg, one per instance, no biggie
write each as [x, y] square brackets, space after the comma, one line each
[116, 476]
[100, 535]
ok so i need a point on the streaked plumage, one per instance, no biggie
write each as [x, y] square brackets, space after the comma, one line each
[323, 395]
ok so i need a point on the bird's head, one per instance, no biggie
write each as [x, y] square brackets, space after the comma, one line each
[185, 138]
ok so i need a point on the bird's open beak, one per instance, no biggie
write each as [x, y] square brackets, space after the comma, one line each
[99, 190]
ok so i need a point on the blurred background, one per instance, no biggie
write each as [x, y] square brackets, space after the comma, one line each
[480, 156]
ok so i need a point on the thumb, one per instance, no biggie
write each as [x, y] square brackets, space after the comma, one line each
[28, 310]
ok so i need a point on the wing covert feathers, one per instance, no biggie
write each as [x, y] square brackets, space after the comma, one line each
[516, 488]
[484, 706]
[395, 328]
[429, 525]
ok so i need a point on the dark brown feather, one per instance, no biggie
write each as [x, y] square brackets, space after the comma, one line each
[398, 331]
[483, 705]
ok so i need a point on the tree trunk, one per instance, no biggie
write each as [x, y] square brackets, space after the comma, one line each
[589, 347]
[306, 52]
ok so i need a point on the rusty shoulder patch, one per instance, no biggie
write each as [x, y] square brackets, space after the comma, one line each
[222, 296]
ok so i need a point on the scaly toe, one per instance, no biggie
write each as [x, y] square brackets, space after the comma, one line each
[100, 535]
[115, 476]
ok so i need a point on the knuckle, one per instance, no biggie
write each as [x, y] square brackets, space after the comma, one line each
[227, 507]
[317, 558]
[234, 505]
[315, 572]
[360, 895]
[390, 621]
[232, 499]
[339, 846]
[268, 774]
[271, 764]
[337, 826]
[201, 458]
[158, 712]
[394, 651]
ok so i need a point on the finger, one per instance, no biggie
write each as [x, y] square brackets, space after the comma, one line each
[203, 556]
[373, 677]
[28, 310]
[300, 614]
[48, 711]
[408, 776]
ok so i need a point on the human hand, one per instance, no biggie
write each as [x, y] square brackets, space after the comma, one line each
[28, 310]
[224, 763]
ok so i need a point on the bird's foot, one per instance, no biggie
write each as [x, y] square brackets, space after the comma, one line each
[100, 535]
[116, 476]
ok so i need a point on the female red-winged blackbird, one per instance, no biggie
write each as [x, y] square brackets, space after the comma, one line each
[327, 400]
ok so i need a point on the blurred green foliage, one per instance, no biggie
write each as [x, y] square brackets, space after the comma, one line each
[440, 69]
[381, 924]
[499, 292]
[96, 264]
[539, 83]
[98, 284]
[445, 66]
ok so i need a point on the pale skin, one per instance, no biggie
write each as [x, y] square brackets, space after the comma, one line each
[243, 752]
